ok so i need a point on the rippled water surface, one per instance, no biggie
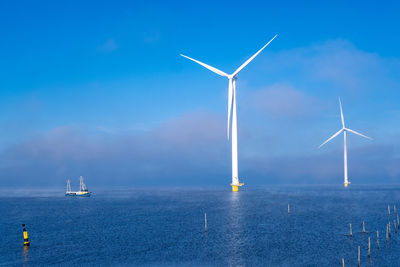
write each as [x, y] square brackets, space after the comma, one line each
[155, 227]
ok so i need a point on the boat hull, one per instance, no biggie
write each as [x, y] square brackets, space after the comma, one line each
[77, 194]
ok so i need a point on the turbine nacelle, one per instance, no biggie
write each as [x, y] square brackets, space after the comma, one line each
[344, 129]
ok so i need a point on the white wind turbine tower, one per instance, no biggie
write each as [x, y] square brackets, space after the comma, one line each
[344, 130]
[232, 107]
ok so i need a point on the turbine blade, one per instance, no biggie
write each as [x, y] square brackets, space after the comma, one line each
[357, 133]
[217, 71]
[250, 59]
[230, 96]
[333, 136]
[341, 113]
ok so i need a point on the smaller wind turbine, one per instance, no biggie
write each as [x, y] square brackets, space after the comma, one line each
[344, 130]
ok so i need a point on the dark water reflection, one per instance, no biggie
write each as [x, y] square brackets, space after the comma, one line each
[166, 227]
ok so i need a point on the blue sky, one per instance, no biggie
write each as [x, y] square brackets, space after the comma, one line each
[98, 89]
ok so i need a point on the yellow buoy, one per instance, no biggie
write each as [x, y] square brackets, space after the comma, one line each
[26, 241]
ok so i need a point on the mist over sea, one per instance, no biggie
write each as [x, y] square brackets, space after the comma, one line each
[165, 227]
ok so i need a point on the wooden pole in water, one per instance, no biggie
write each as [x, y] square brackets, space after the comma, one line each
[398, 227]
[369, 246]
[363, 227]
[342, 262]
[358, 256]
[205, 222]
[395, 227]
[351, 232]
[387, 230]
[288, 208]
[389, 210]
[377, 239]
[398, 221]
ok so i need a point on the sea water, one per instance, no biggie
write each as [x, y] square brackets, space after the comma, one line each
[165, 227]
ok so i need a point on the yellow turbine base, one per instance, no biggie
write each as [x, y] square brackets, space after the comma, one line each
[235, 187]
[346, 184]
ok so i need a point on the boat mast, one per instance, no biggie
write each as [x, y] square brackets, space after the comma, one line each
[68, 186]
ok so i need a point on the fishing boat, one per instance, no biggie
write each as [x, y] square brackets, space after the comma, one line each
[83, 190]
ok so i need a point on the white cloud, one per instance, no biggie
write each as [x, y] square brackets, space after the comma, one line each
[333, 66]
[282, 100]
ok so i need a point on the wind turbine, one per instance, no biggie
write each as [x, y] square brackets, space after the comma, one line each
[232, 108]
[344, 130]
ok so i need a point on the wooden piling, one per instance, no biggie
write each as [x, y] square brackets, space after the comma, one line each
[358, 256]
[389, 210]
[343, 262]
[369, 246]
[398, 222]
[377, 239]
[288, 208]
[389, 230]
[363, 227]
[395, 227]
[205, 222]
[351, 232]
